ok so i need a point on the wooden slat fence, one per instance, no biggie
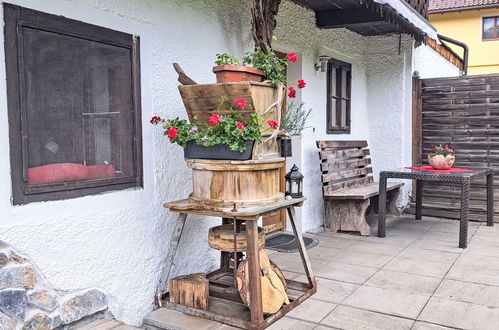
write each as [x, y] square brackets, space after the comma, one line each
[464, 113]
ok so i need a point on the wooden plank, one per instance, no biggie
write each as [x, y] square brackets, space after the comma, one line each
[349, 163]
[252, 254]
[346, 174]
[347, 153]
[328, 189]
[363, 192]
[341, 144]
[242, 213]
[170, 257]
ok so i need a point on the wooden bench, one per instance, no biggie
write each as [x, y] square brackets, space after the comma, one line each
[349, 187]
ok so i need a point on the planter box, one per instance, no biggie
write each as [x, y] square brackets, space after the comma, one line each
[218, 151]
[201, 101]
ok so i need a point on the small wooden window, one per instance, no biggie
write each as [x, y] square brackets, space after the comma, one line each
[339, 86]
[74, 107]
[490, 28]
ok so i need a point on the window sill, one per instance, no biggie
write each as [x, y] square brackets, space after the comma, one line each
[338, 131]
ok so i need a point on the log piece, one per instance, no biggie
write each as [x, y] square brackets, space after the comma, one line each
[222, 238]
[273, 284]
[190, 290]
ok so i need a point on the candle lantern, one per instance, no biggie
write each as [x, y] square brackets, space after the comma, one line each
[294, 183]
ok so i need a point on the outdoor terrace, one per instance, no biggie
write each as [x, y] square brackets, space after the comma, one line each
[415, 278]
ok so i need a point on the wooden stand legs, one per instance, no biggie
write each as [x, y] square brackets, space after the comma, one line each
[254, 273]
[346, 215]
[225, 304]
[172, 250]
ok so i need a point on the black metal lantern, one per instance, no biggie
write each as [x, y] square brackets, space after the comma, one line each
[294, 183]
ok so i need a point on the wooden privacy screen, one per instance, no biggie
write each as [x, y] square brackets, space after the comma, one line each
[464, 113]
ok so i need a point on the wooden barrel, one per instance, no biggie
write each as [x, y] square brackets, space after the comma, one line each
[222, 238]
[220, 184]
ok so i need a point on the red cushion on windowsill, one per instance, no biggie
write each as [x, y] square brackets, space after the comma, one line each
[63, 172]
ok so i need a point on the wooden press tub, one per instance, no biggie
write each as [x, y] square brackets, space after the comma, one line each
[219, 184]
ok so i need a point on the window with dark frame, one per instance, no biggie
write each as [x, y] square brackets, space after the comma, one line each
[339, 83]
[74, 107]
[490, 28]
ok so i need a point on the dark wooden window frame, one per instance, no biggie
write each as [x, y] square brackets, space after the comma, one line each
[496, 25]
[340, 66]
[16, 18]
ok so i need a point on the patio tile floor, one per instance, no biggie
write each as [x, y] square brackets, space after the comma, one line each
[415, 278]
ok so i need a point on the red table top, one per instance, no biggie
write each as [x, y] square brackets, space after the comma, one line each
[450, 170]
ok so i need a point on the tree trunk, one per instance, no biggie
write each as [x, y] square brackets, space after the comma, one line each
[263, 22]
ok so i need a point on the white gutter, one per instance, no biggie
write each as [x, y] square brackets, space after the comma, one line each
[409, 13]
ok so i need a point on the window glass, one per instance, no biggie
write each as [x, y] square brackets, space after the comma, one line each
[334, 90]
[77, 92]
[332, 111]
[344, 82]
[73, 104]
[343, 113]
[488, 28]
[339, 90]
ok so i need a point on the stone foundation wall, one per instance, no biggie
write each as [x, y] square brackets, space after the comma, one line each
[28, 301]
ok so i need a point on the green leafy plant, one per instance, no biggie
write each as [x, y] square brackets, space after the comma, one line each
[227, 59]
[273, 67]
[444, 151]
[294, 119]
[232, 129]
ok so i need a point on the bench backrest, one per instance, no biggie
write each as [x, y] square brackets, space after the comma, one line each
[344, 164]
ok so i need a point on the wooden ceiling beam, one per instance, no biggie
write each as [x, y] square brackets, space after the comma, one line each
[347, 18]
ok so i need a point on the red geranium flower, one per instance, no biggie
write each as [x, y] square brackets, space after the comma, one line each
[155, 119]
[240, 125]
[172, 133]
[241, 103]
[301, 83]
[292, 92]
[446, 149]
[214, 120]
[291, 57]
[453, 152]
[273, 124]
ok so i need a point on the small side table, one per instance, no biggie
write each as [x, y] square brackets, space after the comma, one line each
[462, 178]
[225, 304]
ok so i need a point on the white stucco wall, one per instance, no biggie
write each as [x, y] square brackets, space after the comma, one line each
[116, 241]
[430, 64]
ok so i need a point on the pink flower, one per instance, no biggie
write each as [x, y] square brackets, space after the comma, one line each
[301, 83]
[291, 57]
[273, 124]
[240, 125]
[172, 133]
[215, 120]
[436, 148]
[241, 103]
[292, 92]
[446, 150]
[453, 152]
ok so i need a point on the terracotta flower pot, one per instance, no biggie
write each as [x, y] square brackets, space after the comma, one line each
[237, 73]
[440, 162]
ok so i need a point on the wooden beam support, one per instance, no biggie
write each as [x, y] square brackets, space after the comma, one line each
[346, 17]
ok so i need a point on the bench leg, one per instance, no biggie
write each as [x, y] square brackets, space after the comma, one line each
[346, 215]
[391, 205]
